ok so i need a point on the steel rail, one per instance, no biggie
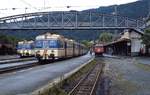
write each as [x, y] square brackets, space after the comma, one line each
[13, 60]
[89, 81]
[16, 68]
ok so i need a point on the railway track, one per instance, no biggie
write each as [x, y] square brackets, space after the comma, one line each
[87, 85]
[15, 60]
[5, 68]
[16, 66]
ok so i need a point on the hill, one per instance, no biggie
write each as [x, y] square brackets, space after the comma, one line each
[135, 10]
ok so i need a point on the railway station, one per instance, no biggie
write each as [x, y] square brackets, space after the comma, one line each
[129, 44]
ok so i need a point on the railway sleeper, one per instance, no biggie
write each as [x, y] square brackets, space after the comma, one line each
[85, 89]
[82, 93]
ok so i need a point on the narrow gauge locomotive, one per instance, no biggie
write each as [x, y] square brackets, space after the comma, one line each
[98, 49]
[53, 46]
[25, 48]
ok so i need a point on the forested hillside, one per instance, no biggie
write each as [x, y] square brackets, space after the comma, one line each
[135, 10]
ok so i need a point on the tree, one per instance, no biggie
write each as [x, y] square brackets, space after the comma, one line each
[8, 39]
[87, 43]
[146, 37]
[105, 37]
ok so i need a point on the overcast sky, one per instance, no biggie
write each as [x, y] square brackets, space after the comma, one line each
[52, 5]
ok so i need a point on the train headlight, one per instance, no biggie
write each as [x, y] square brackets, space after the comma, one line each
[52, 55]
[52, 51]
[37, 53]
[98, 50]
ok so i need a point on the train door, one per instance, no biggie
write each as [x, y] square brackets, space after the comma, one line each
[65, 49]
[73, 49]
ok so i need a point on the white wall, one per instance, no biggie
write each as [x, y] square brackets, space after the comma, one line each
[135, 45]
[136, 42]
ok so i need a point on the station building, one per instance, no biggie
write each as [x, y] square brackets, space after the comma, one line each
[129, 44]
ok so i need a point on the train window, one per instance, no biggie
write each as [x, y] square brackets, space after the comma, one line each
[27, 46]
[55, 44]
[38, 44]
[60, 44]
[19, 46]
[32, 46]
[76, 46]
[45, 44]
[69, 45]
[49, 44]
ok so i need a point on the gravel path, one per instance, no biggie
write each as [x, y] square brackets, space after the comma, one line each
[128, 76]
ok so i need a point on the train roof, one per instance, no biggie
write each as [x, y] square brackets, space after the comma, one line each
[48, 36]
[26, 42]
[55, 36]
[99, 44]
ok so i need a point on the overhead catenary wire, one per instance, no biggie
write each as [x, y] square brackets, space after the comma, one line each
[42, 8]
[30, 5]
[31, 8]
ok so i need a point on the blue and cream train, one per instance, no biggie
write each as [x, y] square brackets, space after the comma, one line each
[25, 48]
[52, 46]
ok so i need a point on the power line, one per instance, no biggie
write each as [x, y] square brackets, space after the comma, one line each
[23, 1]
[42, 8]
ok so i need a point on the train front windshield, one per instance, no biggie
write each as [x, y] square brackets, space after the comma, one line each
[24, 46]
[48, 44]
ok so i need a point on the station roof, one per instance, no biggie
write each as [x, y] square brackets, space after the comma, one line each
[135, 30]
[117, 41]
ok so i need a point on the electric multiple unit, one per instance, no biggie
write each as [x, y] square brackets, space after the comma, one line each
[25, 48]
[53, 46]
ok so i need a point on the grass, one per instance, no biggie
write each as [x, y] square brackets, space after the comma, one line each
[125, 87]
[81, 71]
[58, 88]
[122, 86]
[144, 67]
